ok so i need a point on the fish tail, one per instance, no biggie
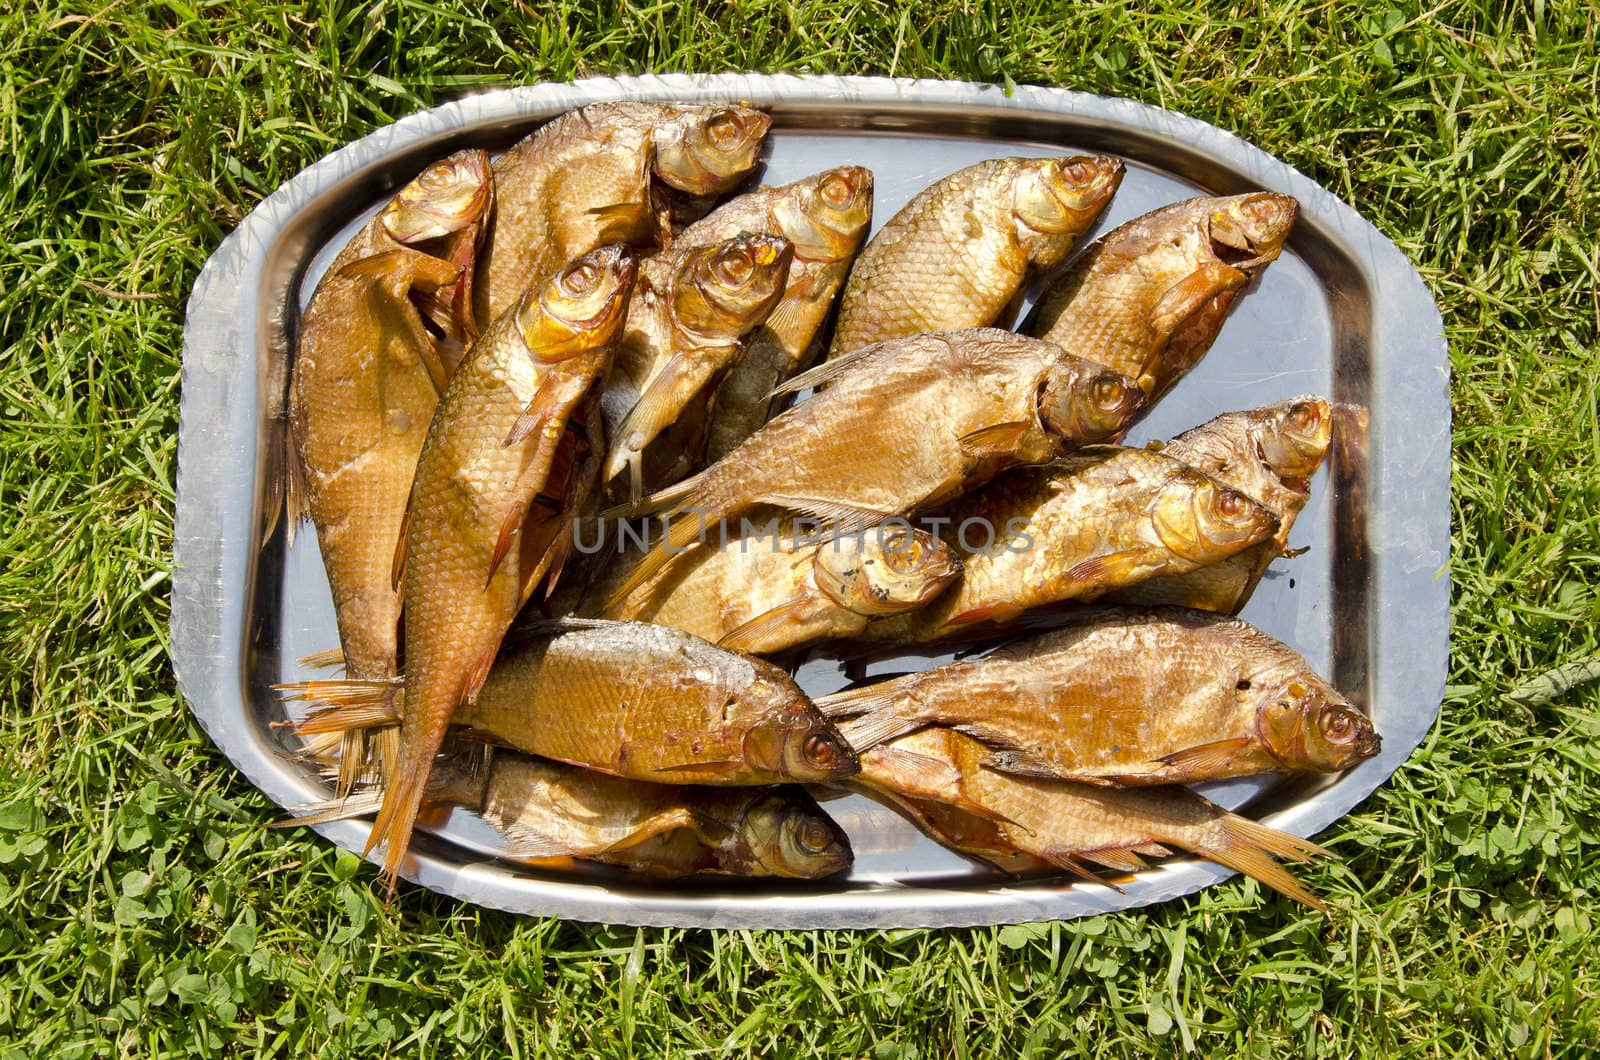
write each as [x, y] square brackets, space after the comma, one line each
[1251, 848]
[867, 699]
[353, 763]
[344, 705]
[335, 809]
[402, 800]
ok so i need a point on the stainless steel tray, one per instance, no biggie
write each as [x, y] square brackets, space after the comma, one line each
[1342, 313]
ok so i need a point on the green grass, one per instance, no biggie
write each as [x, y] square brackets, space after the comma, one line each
[143, 908]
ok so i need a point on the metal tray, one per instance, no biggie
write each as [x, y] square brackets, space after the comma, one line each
[1342, 313]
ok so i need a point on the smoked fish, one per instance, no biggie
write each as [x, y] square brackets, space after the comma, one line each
[957, 255]
[1149, 298]
[583, 180]
[1124, 697]
[466, 564]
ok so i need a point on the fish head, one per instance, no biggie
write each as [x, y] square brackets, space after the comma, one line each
[1294, 437]
[784, 833]
[1248, 231]
[446, 197]
[1083, 403]
[826, 217]
[579, 309]
[1202, 520]
[707, 150]
[885, 569]
[728, 288]
[1052, 195]
[1307, 725]
[795, 741]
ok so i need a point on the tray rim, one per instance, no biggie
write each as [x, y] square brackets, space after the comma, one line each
[1409, 457]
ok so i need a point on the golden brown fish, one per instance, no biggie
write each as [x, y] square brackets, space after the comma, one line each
[365, 382]
[545, 810]
[826, 217]
[1149, 298]
[957, 255]
[1074, 529]
[582, 180]
[787, 584]
[1074, 825]
[690, 312]
[466, 561]
[627, 698]
[906, 423]
[1129, 697]
[1270, 454]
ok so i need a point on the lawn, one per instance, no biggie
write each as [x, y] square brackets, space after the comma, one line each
[144, 910]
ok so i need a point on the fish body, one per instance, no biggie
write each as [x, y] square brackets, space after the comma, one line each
[905, 424]
[1074, 529]
[365, 381]
[545, 811]
[957, 254]
[1270, 454]
[475, 542]
[825, 217]
[630, 699]
[785, 585]
[1149, 298]
[691, 310]
[1072, 826]
[583, 180]
[1130, 698]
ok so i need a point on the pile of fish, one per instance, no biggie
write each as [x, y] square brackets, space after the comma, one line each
[581, 501]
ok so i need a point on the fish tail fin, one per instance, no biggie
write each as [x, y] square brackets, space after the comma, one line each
[1252, 848]
[865, 699]
[674, 498]
[683, 533]
[337, 808]
[343, 705]
[323, 660]
[397, 815]
[352, 761]
[871, 729]
[287, 477]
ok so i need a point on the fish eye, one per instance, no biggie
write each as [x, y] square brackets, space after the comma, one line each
[1109, 392]
[723, 130]
[1230, 505]
[835, 191]
[733, 267]
[440, 175]
[1338, 723]
[581, 277]
[820, 751]
[812, 836]
[1303, 417]
[1262, 209]
[1078, 173]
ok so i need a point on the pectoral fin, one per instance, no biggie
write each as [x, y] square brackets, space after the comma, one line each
[1190, 294]
[988, 613]
[766, 632]
[921, 777]
[1000, 439]
[540, 409]
[664, 396]
[397, 568]
[718, 768]
[1207, 761]
[1111, 570]
[825, 373]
